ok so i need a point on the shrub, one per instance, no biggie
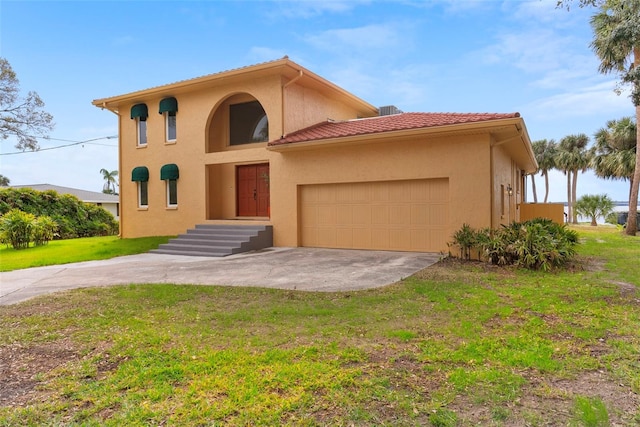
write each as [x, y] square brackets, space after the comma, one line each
[16, 227]
[73, 217]
[44, 230]
[534, 244]
[612, 218]
[464, 239]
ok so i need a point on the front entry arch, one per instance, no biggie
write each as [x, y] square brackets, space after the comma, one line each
[252, 190]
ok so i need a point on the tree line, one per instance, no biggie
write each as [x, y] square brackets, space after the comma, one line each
[612, 156]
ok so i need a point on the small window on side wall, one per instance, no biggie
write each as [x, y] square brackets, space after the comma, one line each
[172, 193]
[170, 174]
[143, 194]
[169, 108]
[140, 175]
[139, 113]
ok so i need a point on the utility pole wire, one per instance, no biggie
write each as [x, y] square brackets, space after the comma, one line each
[88, 141]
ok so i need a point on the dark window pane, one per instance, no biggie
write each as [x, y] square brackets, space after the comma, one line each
[171, 126]
[142, 132]
[143, 193]
[248, 123]
[173, 192]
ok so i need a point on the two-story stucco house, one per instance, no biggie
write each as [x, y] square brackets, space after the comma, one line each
[276, 145]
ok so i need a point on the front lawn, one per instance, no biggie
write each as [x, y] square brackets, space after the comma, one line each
[456, 344]
[75, 250]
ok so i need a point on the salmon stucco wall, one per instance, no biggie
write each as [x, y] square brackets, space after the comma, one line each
[463, 160]
[206, 186]
[507, 191]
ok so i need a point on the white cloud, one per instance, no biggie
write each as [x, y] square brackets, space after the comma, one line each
[534, 50]
[311, 8]
[368, 37]
[451, 6]
[546, 12]
[582, 102]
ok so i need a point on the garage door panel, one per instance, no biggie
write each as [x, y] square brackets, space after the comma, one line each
[439, 191]
[399, 192]
[380, 238]
[325, 194]
[362, 214]
[399, 238]
[344, 214]
[394, 215]
[420, 213]
[344, 238]
[326, 215]
[326, 238]
[380, 214]
[361, 238]
[439, 214]
[419, 191]
[310, 236]
[399, 214]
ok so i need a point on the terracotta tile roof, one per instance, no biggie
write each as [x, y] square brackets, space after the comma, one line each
[373, 125]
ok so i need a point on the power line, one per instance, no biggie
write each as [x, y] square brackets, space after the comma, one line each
[88, 141]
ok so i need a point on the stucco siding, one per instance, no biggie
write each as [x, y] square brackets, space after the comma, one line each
[306, 107]
[457, 159]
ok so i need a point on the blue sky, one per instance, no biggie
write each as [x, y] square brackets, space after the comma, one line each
[435, 56]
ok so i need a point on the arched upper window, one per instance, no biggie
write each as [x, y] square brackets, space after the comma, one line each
[248, 123]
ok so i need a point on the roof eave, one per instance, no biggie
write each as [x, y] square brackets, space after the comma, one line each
[368, 137]
[284, 67]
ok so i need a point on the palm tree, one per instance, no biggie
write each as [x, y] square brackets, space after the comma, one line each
[616, 42]
[572, 157]
[593, 206]
[614, 152]
[545, 152]
[110, 182]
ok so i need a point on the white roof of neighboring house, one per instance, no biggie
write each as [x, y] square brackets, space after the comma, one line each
[84, 195]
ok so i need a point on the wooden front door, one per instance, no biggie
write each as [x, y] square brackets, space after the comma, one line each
[253, 190]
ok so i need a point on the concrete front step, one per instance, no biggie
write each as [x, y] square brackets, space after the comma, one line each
[219, 240]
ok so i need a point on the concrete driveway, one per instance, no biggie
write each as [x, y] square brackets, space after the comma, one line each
[304, 269]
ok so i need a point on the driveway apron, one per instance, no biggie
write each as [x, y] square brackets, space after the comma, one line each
[303, 269]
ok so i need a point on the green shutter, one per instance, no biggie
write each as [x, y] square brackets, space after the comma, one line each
[140, 173]
[140, 110]
[169, 171]
[168, 104]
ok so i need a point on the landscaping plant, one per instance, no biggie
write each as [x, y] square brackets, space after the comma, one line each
[535, 244]
[73, 217]
[593, 206]
[16, 228]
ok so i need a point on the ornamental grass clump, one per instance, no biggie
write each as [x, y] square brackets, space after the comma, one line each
[537, 244]
[18, 229]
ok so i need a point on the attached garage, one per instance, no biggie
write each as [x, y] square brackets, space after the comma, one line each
[406, 215]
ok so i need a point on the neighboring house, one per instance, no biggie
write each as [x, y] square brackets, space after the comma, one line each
[276, 144]
[109, 202]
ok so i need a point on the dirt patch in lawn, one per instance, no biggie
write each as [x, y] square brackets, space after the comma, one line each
[21, 368]
[548, 400]
[456, 269]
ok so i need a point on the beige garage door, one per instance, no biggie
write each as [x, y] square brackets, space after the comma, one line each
[392, 215]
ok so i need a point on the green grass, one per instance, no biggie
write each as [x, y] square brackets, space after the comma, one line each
[458, 344]
[75, 250]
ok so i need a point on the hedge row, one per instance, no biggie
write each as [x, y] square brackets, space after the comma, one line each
[73, 217]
